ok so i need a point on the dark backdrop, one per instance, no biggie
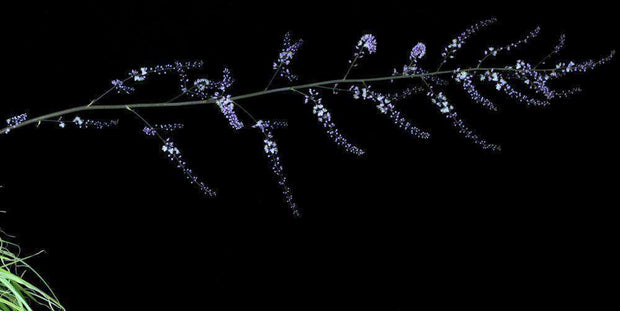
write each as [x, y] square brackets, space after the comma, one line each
[411, 223]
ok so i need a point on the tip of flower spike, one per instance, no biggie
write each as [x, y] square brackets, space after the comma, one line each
[272, 124]
[288, 51]
[418, 51]
[368, 42]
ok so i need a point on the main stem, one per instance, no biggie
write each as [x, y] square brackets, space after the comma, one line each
[243, 96]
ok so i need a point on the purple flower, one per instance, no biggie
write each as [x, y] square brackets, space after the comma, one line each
[15, 120]
[227, 108]
[325, 119]
[466, 82]
[560, 45]
[120, 87]
[174, 155]
[179, 68]
[417, 52]
[162, 128]
[205, 89]
[385, 105]
[458, 42]
[493, 51]
[289, 49]
[369, 43]
[271, 151]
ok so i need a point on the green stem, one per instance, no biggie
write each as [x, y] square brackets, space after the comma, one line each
[108, 91]
[90, 107]
[483, 59]
[350, 67]
[348, 71]
[273, 77]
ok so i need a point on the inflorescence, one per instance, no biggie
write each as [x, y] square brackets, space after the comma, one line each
[14, 121]
[465, 79]
[457, 43]
[218, 89]
[289, 49]
[271, 151]
[174, 155]
[325, 119]
[164, 128]
[417, 52]
[494, 51]
[88, 123]
[522, 81]
[176, 67]
[385, 106]
[78, 122]
[367, 44]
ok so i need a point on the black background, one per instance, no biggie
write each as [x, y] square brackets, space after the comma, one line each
[411, 224]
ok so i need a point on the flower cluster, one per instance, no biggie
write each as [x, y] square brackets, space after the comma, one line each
[493, 51]
[441, 101]
[289, 49]
[412, 68]
[174, 155]
[204, 88]
[88, 124]
[559, 46]
[465, 80]
[121, 88]
[385, 105]
[520, 96]
[271, 151]
[527, 74]
[218, 89]
[538, 80]
[458, 42]
[535, 80]
[417, 52]
[366, 44]
[406, 93]
[15, 120]
[99, 125]
[562, 69]
[273, 124]
[164, 128]
[176, 67]
[562, 94]
[470, 134]
[139, 76]
[180, 68]
[325, 119]
[227, 108]
[508, 80]
[501, 84]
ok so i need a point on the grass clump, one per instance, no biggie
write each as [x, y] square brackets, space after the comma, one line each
[17, 294]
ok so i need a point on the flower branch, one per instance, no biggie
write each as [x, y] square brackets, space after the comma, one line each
[508, 80]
